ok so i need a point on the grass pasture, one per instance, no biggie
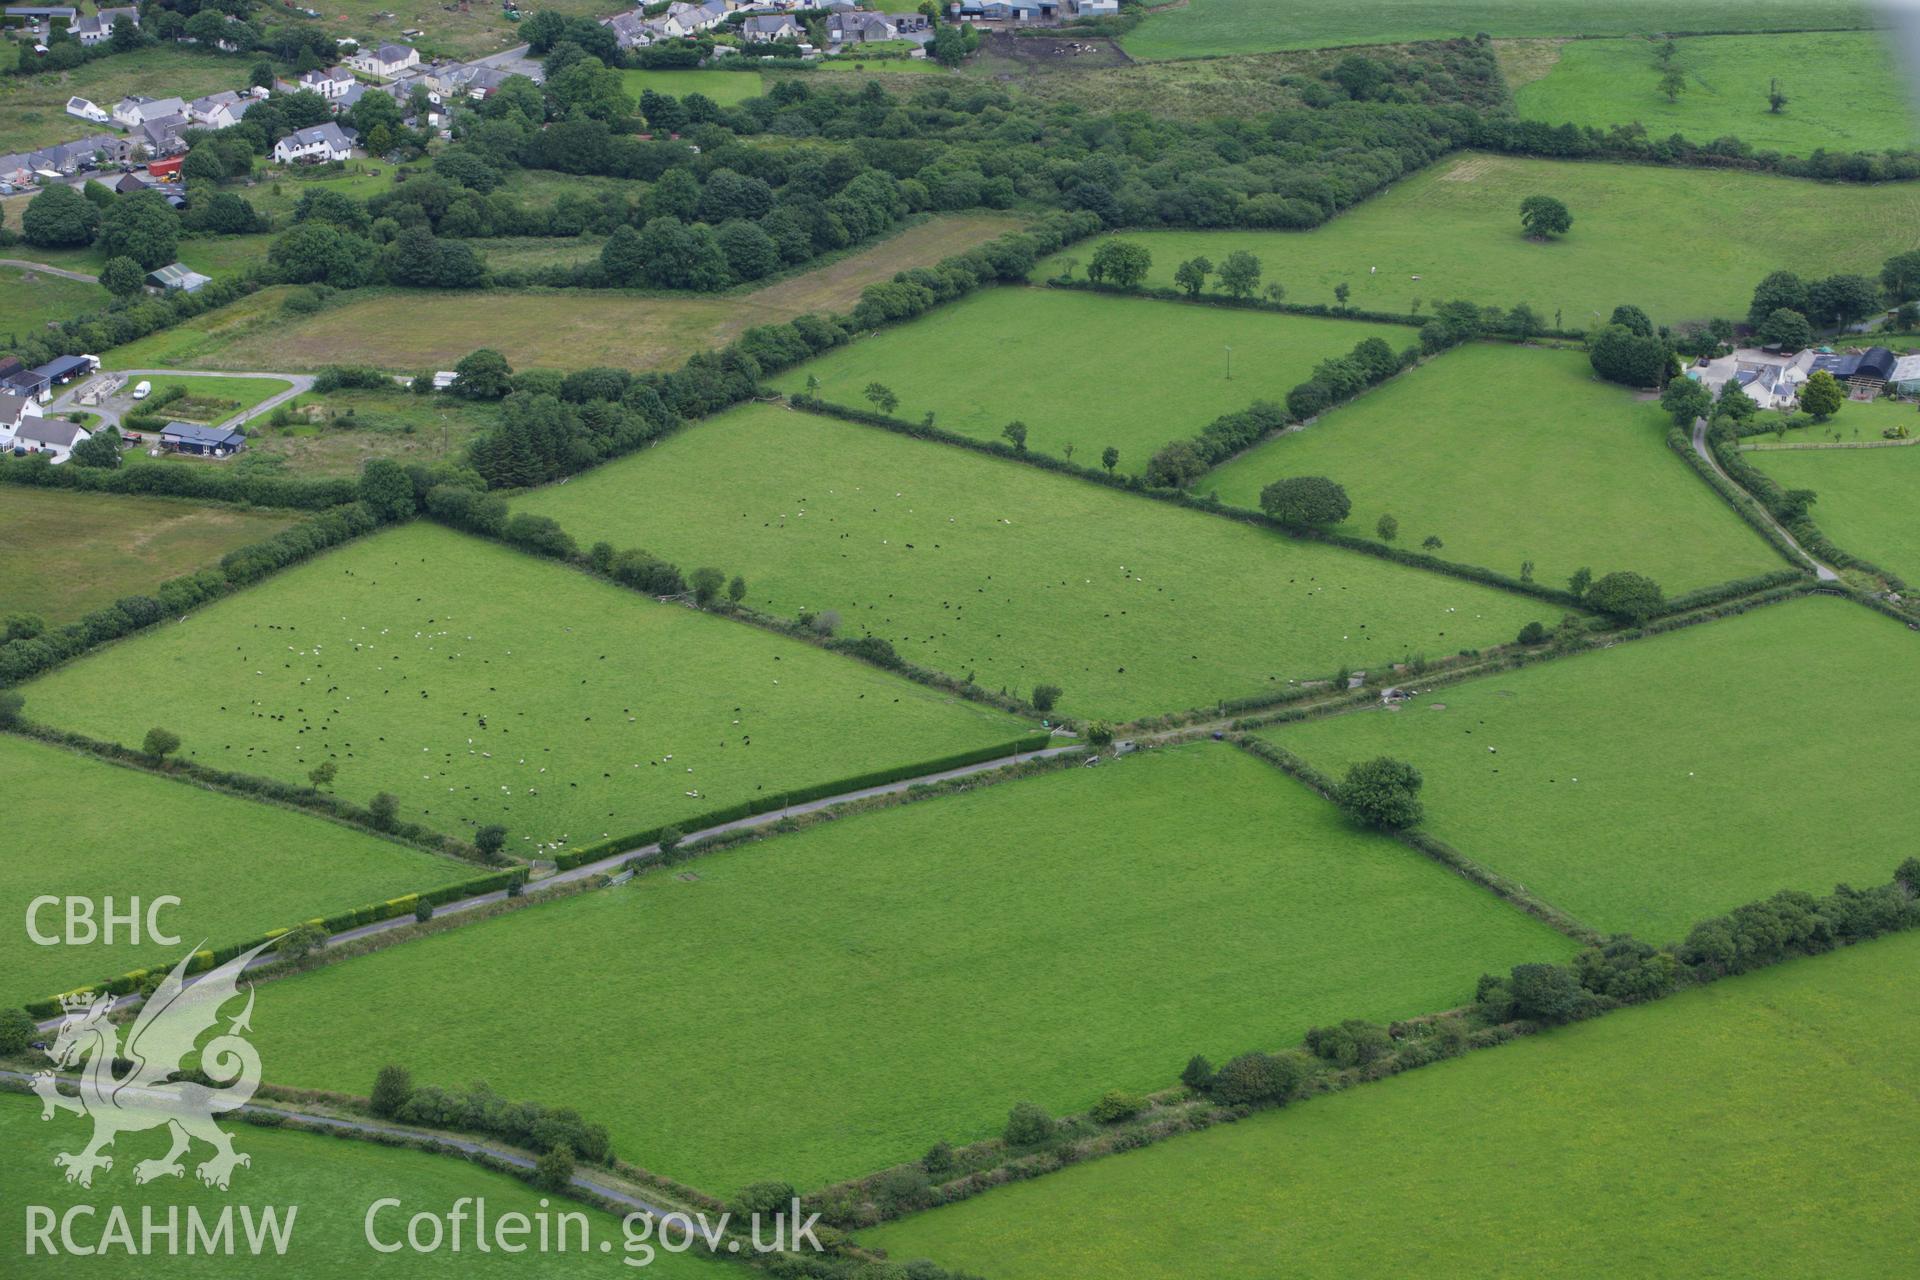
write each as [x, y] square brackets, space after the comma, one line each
[1209, 28]
[1043, 939]
[32, 299]
[970, 564]
[1508, 454]
[70, 553]
[481, 685]
[332, 1181]
[1866, 496]
[1648, 787]
[94, 829]
[1655, 237]
[727, 88]
[1032, 354]
[1845, 91]
[1671, 1139]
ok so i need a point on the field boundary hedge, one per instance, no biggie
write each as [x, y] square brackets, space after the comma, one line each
[165, 481]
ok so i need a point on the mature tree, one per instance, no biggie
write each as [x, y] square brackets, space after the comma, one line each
[706, 584]
[1618, 354]
[1780, 289]
[1240, 274]
[1191, 275]
[1900, 276]
[1341, 292]
[1672, 82]
[386, 489]
[384, 809]
[323, 774]
[881, 397]
[17, 1031]
[483, 375]
[1123, 263]
[1842, 299]
[13, 705]
[1016, 434]
[122, 277]
[141, 226]
[1546, 993]
[1387, 528]
[1382, 793]
[1685, 400]
[1776, 97]
[1822, 396]
[1631, 597]
[1045, 696]
[1545, 217]
[59, 217]
[1786, 329]
[1305, 502]
[1633, 319]
[320, 253]
[1109, 458]
[553, 1171]
[1577, 585]
[1028, 1125]
[490, 839]
[100, 450]
[159, 743]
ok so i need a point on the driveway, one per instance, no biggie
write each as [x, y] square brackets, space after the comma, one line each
[1700, 446]
[46, 270]
[121, 402]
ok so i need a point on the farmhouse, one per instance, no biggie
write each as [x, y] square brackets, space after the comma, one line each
[99, 27]
[387, 61]
[85, 109]
[321, 143]
[54, 436]
[191, 437]
[132, 112]
[176, 276]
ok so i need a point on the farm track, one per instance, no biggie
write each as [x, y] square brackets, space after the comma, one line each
[1823, 572]
[46, 270]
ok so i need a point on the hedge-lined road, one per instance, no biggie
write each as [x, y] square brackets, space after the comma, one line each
[1820, 571]
[46, 270]
[109, 412]
[466, 1146]
[614, 861]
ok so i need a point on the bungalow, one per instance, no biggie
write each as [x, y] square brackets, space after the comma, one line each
[132, 112]
[765, 28]
[54, 436]
[176, 276]
[64, 369]
[191, 437]
[311, 146]
[98, 28]
[387, 61]
[224, 109]
[85, 109]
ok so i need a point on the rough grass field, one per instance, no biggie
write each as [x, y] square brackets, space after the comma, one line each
[1045, 939]
[1014, 353]
[33, 108]
[210, 255]
[973, 565]
[1866, 498]
[1844, 91]
[30, 300]
[70, 553]
[332, 1181]
[728, 88]
[88, 829]
[1509, 454]
[562, 329]
[336, 433]
[1667, 780]
[1655, 237]
[1760, 1126]
[481, 685]
[1207, 28]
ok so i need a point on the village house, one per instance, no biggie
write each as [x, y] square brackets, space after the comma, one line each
[331, 84]
[191, 437]
[387, 61]
[321, 143]
[88, 110]
[70, 158]
[98, 28]
[861, 27]
[13, 411]
[132, 112]
[684, 19]
[765, 28]
[224, 109]
[55, 436]
[162, 136]
[634, 29]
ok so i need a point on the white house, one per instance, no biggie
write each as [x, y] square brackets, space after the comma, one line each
[312, 146]
[13, 411]
[98, 28]
[83, 109]
[684, 19]
[331, 84]
[1771, 379]
[634, 30]
[131, 113]
[54, 436]
[223, 109]
[387, 61]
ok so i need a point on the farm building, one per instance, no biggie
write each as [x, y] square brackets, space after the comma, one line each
[1866, 373]
[176, 275]
[191, 437]
[65, 369]
[55, 436]
[1906, 376]
[31, 383]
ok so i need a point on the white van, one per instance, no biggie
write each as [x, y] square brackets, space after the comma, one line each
[141, 390]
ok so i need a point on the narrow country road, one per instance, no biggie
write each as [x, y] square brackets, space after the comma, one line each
[468, 1146]
[111, 410]
[44, 269]
[1820, 571]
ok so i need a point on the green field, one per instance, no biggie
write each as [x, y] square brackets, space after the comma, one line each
[1655, 237]
[1762, 1126]
[1866, 497]
[30, 300]
[1041, 356]
[970, 564]
[213, 400]
[727, 88]
[1206, 28]
[1670, 779]
[33, 108]
[1844, 91]
[334, 434]
[604, 712]
[1045, 939]
[71, 553]
[210, 255]
[93, 829]
[327, 1184]
[1506, 455]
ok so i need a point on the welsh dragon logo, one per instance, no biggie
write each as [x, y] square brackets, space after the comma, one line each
[163, 1035]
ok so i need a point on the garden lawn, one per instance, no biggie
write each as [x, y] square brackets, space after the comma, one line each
[31, 300]
[326, 1184]
[1760, 1126]
[87, 829]
[1032, 355]
[1512, 454]
[1667, 780]
[1206, 28]
[1017, 576]
[877, 984]
[727, 88]
[1655, 237]
[1844, 91]
[69, 553]
[481, 685]
[1866, 498]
